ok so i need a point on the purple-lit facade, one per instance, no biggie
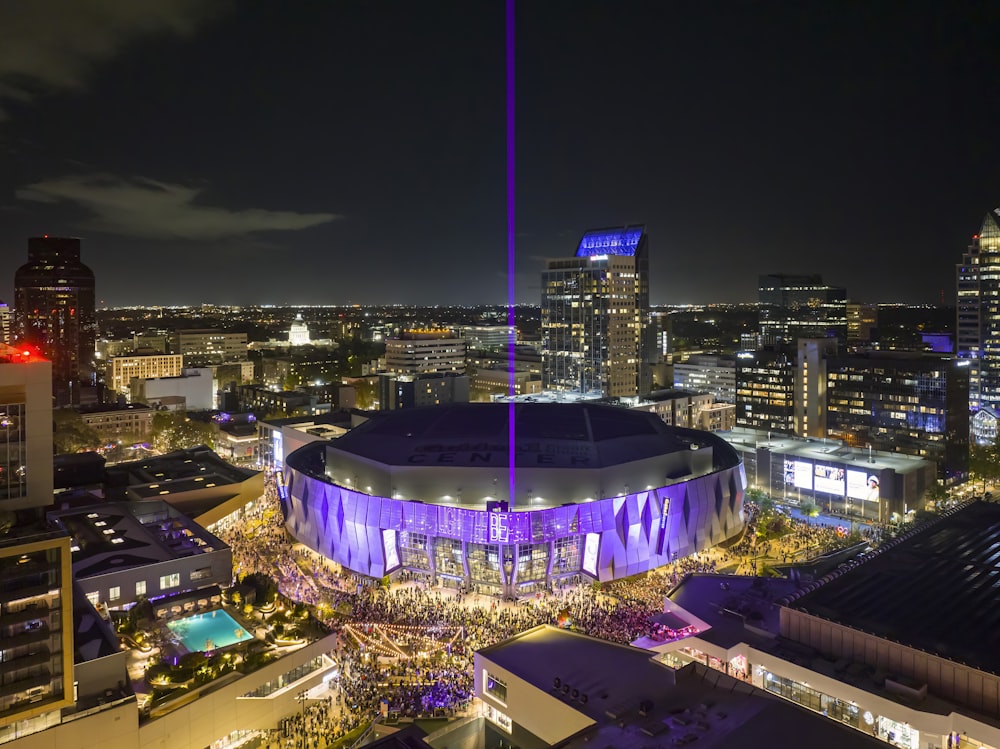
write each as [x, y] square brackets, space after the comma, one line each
[376, 500]
[623, 240]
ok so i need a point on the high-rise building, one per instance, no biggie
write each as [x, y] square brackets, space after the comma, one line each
[488, 337]
[708, 373]
[36, 627]
[977, 323]
[810, 385]
[5, 323]
[595, 316]
[862, 324]
[54, 312]
[793, 307]
[425, 351]
[25, 430]
[765, 390]
[414, 391]
[900, 402]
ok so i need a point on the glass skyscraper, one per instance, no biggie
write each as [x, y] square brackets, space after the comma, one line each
[977, 322]
[793, 307]
[595, 316]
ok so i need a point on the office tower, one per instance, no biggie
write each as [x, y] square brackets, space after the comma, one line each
[862, 324]
[595, 316]
[487, 337]
[54, 311]
[425, 351]
[25, 430]
[765, 390]
[792, 307]
[5, 334]
[707, 373]
[907, 403]
[977, 323]
[810, 385]
[416, 390]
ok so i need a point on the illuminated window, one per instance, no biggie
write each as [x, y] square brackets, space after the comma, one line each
[170, 581]
[140, 588]
[494, 687]
[115, 593]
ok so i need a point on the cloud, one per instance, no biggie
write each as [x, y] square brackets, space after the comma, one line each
[53, 45]
[148, 209]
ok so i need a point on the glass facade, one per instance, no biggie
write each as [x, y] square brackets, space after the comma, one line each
[448, 557]
[765, 385]
[289, 677]
[913, 405]
[532, 562]
[413, 551]
[484, 566]
[595, 316]
[13, 451]
[793, 307]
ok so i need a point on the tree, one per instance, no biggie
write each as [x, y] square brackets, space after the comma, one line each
[936, 493]
[71, 434]
[173, 430]
[984, 463]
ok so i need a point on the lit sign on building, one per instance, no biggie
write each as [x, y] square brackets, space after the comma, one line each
[799, 473]
[590, 548]
[391, 551]
[830, 479]
[499, 528]
[862, 485]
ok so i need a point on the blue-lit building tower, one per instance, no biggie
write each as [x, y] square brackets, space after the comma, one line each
[595, 316]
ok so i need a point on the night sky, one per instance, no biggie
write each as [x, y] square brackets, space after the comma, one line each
[335, 152]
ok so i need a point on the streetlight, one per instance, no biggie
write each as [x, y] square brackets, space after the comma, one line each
[301, 698]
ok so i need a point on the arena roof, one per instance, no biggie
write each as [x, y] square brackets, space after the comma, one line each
[606, 435]
[935, 589]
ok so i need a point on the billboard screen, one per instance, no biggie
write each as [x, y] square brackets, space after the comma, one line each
[391, 551]
[830, 479]
[590, 548]
[862, 485]
[799, 473]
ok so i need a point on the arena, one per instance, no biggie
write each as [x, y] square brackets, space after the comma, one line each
[596, 492]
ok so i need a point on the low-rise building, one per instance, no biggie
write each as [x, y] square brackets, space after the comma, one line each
[885, 644]
[124, 551]
[121, 370]
[192, 390]
[132, 422]
[860, 483]
[549, 687]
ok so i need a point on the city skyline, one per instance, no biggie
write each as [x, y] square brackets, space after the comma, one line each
[355, 154]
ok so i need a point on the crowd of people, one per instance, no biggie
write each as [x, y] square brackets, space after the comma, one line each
[441, 683]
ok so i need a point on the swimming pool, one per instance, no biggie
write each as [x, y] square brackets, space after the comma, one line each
[208, 631]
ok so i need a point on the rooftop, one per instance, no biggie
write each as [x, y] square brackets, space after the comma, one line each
[821, 449]
[619, 240]
[933, 589]
[693, 703]
[606, 435]
[121, 535]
